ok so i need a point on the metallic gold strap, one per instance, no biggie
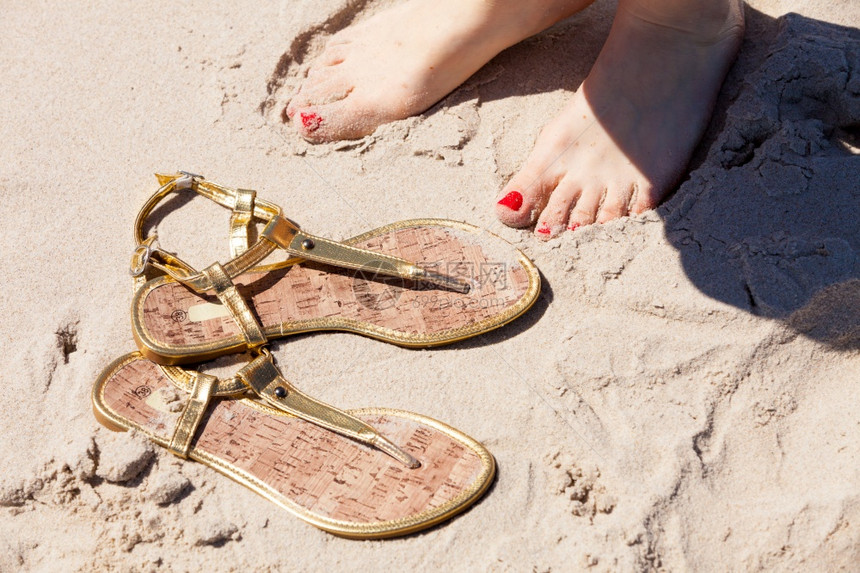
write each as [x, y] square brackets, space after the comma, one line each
[262, 376]
[159, 259]
[184, 380]
[229, 296]
[195, 408]
[224, 196]
[240, 221]
[200, 283]
[171, 264]
[314, 248]
[279, 232]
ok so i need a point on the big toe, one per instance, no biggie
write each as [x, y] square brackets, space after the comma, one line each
[342, 119]
[524, 197]
[319, 91]
[328, 110]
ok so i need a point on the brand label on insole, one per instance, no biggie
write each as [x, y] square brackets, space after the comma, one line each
[207, 311]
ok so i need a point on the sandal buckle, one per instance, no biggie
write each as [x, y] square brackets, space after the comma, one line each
[140, 258]
[186, 181]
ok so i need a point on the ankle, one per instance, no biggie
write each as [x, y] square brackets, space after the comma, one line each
[704, 21]
[527, 18]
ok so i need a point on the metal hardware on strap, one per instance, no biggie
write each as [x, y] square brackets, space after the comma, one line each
[192, 414]
[184, 182]
[280, 231]
[262, 376]
[140, 257]
[229, 296]
[192, 175]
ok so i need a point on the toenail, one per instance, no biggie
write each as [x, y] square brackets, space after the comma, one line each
[544, 229]
[513, 200]
[311, 121]
[574, 226]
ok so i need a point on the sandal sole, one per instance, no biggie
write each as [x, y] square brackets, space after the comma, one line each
[174, 325]
[328, 480]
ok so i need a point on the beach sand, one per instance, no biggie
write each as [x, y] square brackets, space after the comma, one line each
[683, 396]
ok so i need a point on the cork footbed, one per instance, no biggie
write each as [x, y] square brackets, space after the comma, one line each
[331, 481]
[173, 324]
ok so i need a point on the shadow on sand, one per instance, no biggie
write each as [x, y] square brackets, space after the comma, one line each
[768, 219]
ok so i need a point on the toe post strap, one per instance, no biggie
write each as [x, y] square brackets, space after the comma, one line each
[263, 377]
[289, 237]
[202, 390]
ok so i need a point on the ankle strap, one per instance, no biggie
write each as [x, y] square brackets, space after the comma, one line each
[246, 207]
[279, 232]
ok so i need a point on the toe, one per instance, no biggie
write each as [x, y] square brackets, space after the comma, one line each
[553, 219]
[318, 74]
[317, 93]
[644, 197]
[525, 195]
[332, 55]
[343, 119]
[295, 103]
[308, 123]
[299, 101]
[615, 203]
[325, 90]
[584, 211]
[340, 38]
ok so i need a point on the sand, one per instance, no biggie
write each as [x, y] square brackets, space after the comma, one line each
[682, 397]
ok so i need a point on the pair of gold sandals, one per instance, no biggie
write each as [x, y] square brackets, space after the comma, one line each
[365, 473]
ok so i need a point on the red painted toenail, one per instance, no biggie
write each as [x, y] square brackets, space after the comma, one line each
[513, 200]
[544, 229]
[574, 226]
[311, 121]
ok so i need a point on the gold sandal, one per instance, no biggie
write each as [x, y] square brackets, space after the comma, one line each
[364, 474]
[461, 282]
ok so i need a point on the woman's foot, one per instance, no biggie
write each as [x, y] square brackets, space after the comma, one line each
[625, 140]
[402, 61]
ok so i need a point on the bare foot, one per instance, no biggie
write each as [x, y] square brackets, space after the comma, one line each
[401, 61]
[626, 137]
